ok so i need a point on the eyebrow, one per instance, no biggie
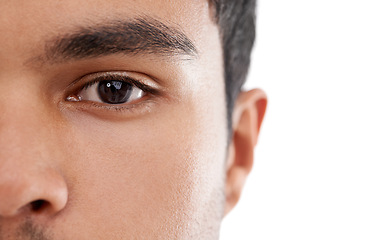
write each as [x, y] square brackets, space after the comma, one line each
[137, 36]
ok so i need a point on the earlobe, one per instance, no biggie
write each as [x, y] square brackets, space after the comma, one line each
[248, 115]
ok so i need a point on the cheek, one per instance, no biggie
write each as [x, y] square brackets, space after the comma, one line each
[162, 171]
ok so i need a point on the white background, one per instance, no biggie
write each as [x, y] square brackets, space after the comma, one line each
[321, 166]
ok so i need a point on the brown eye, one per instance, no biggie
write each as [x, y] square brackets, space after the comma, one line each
[110, 92]
[114, 92]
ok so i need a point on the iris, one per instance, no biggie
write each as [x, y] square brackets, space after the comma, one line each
[114, 92]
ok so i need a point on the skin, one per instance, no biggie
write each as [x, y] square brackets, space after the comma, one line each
[156, 168]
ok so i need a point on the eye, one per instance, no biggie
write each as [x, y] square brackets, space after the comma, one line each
[111, 89]
[111, 92]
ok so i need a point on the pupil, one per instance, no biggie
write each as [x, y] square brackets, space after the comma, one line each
[114, 92]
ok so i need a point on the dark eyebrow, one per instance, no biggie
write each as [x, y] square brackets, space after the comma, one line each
[138, 36]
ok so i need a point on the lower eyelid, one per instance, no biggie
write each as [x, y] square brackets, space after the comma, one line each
[121, 111]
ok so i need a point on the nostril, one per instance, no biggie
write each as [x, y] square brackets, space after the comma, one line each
[38, 205]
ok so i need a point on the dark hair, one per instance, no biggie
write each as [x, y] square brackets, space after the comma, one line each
[236, 21]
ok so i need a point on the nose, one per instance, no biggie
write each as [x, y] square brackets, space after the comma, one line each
[26, 192]
[31, 180]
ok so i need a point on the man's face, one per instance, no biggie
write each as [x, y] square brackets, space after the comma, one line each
[110, 129]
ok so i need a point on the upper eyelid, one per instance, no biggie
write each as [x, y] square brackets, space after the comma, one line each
[112, 78]
[145, 83]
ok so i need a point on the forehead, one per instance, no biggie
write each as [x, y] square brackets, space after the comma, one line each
[183, 11]
[27, 23]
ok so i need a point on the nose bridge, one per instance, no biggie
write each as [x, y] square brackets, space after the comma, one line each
[24, 143]
[24, 128]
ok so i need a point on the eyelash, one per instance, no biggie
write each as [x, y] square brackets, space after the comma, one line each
[142, 86]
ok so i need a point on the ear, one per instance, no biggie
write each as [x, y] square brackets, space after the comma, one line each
[248, 115]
